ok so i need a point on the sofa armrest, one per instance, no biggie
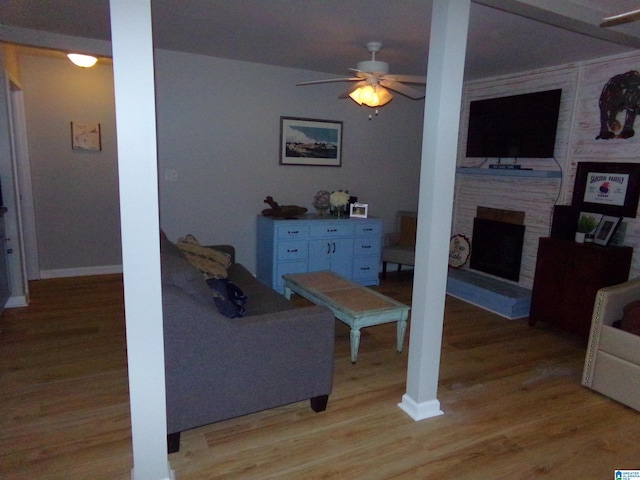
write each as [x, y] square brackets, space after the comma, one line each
[219, 368]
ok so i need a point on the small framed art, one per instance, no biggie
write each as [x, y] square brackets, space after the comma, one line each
[359, 210]
[85, 136]
[606, 229]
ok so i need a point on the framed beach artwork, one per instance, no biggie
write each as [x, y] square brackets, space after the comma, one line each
[306, 141]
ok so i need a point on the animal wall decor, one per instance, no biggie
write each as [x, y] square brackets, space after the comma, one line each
[620, 93]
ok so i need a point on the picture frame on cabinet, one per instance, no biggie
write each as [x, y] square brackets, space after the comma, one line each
[609, 188]
[359, 210]
[606, 229]
[306, 141]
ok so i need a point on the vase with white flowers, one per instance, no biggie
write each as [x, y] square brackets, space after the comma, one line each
[339, 201]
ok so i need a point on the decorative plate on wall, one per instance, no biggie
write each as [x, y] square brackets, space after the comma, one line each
[459, 251]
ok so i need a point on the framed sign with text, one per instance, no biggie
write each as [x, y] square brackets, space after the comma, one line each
[607, 188]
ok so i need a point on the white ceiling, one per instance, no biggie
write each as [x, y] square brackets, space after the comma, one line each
[505, 36]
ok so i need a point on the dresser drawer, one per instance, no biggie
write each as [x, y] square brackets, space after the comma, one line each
[366, 246]
[368, 228]
[337, 229]
[291, 232]
[292, 251]
[365, 267]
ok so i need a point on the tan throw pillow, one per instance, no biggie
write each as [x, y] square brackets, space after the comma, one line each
[408, 226]
[212, 262]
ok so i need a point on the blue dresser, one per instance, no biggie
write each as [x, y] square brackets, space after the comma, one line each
[347, 246]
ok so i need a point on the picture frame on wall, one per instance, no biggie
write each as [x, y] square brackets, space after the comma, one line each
[608, 188]
[86, 136]
[305, 141]
[606, 229]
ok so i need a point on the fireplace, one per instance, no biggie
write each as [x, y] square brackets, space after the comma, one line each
[496, 248]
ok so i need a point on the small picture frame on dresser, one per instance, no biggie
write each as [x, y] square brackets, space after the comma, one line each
[606, 229]
[359, 210]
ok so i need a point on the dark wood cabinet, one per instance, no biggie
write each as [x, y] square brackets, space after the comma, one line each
[568, 276]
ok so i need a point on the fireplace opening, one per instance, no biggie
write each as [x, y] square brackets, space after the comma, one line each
[496, 248]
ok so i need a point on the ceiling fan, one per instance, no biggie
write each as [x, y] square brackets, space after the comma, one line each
[372, 79]
[621, 18]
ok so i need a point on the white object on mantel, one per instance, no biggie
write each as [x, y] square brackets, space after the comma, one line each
[580, 237]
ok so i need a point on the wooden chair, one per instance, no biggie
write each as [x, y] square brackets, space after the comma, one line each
[400, 246]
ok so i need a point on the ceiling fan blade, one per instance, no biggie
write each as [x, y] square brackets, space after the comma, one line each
[354, 87]
[621, 18]
[403, 89]
[313, 82]
[417, 79]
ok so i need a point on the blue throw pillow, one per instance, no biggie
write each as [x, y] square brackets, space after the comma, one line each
[228, 297]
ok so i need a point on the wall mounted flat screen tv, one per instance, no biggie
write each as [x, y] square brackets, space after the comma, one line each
[518, 126]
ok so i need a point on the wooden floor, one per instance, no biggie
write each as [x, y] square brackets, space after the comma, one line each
[514, 407]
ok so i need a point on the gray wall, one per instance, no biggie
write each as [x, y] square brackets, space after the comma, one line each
[218, 128]
[75, 191]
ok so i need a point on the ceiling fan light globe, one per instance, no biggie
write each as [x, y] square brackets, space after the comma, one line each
[371, 96]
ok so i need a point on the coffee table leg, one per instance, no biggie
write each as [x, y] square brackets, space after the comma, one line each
[355, 343]
[287, 292]
[401, 327]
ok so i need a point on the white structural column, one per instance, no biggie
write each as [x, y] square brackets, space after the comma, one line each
[447, 47]
[138, 176]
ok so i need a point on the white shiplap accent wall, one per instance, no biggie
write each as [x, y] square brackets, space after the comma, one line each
[534, 196]
[578, 125]
[585, 147]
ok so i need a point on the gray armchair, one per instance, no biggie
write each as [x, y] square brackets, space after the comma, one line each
[612, 364]
[400, 246]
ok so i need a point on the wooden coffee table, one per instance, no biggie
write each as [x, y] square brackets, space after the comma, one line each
[353, 304]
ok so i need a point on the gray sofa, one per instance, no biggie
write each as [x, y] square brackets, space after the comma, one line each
[218, 368]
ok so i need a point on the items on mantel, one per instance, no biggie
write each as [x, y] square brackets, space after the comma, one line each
[509, 170]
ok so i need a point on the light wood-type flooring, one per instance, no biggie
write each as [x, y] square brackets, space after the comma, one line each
[514, 407]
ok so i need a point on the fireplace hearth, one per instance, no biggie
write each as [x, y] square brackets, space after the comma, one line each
[496, 248]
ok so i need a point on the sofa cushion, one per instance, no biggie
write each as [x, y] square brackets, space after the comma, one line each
[176, 271]
[263, 299]
[208, 260]
[631, 318]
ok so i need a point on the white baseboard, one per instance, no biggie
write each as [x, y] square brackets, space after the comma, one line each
[80, 272]
[17, 301]
[420, 411]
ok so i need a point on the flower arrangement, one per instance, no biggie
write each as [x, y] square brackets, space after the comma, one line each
[339, 198]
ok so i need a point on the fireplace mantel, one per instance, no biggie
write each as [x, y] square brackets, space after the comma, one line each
[509, 173]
